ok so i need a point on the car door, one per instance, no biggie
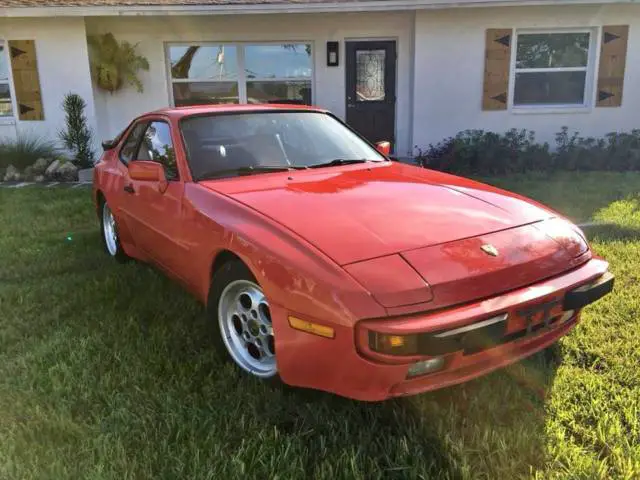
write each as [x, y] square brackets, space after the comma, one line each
[116, 177]
[156, 214]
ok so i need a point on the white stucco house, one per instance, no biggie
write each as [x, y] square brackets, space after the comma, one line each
[409, 71]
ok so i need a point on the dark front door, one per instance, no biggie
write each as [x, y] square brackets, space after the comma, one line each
[371, 89]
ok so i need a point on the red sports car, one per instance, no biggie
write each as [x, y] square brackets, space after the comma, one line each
[328, 265]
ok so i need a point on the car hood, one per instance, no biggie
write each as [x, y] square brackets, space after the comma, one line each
[357, 212]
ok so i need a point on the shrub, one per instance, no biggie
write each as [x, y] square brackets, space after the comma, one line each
[77, 137]
[25, 150]
[489, 153]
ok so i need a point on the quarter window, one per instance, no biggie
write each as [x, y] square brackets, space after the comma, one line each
[157, 146]
[6, 109]
[552, 69]
[234, 73]
[130, 147]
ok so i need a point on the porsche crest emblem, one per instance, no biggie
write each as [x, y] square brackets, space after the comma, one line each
[489, 250]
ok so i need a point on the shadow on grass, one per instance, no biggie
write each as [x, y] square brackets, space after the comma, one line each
[493, 426]
[489, 427]
[578, 195]
[610, 232]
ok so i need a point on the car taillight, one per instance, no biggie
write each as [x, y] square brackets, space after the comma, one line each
[393, 344]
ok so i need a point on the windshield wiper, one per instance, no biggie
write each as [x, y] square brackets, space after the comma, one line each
[250, 170]
[339, 161]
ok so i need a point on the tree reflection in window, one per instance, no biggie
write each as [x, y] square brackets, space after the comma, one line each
[157, 146]
[551, 69]
[552, 50]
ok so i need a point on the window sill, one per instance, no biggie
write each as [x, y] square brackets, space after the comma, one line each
[7, 121]
[549, 110]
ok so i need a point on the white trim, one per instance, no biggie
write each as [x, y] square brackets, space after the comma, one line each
[8, 119]
[241, 79]
[242, 76]
[551, 69]
[236, 9]
[589, 69]
[412, 85]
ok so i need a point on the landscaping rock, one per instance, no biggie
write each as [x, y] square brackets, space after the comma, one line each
[39, 178]
[51, 170]
[67, 172]
[40, 166]
[12, 174]
[28, 174]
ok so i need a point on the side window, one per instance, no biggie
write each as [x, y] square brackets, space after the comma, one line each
[128, 151]
[157, 146]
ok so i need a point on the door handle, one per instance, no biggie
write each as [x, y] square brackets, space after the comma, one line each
[129, 189]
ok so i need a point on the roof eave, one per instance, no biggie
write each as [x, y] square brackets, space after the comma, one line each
[355, 6]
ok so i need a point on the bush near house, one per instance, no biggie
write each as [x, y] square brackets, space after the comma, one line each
[77, 137]
[517, 151]
[23, 151]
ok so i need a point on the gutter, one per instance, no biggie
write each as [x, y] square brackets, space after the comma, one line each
[263, 8]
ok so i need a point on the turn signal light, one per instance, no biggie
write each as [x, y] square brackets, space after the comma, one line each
[310, 327]
[393, 344]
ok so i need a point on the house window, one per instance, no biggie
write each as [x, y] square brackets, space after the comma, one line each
[552, 69]
[234, 73]
[6, 109]
[204, 74]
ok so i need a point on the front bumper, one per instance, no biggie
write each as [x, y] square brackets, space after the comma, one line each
[536, 319]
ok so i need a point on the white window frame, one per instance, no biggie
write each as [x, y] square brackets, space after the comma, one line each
[242, 77]
[8, 119]
[589, 87]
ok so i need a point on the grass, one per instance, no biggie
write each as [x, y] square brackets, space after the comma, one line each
[25, 150]
[106, 371]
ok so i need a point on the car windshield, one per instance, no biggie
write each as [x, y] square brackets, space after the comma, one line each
[224, 145]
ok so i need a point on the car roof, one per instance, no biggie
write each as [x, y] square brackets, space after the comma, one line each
[179, 112]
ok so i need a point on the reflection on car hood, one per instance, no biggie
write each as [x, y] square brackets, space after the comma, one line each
[357, 212]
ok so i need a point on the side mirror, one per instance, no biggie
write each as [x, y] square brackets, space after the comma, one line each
[144, 171]
[384, 148]
[108, 144]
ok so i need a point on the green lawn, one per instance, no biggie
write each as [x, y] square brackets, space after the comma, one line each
[106, 371]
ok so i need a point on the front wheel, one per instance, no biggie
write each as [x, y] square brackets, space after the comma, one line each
[110, 237]
[243, 320]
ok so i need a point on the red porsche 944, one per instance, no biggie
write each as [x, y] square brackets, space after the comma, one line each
[325, 264]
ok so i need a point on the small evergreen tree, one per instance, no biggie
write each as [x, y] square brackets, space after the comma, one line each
[77, 136]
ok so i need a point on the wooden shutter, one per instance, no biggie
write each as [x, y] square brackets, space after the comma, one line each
[24, 66]
[613, 58]
[497, 63]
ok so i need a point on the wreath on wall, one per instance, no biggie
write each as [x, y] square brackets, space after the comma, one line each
[115, 64]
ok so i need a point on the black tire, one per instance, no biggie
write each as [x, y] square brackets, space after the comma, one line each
[231, 271]
[118, 252]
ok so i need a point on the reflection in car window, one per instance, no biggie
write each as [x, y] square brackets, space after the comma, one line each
[222, 143]
[129, 148]
[157, 146]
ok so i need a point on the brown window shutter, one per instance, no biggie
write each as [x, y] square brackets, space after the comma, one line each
[613, 58]
[24, 66]
[497, 64]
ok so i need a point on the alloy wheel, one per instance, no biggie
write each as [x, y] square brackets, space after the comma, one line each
[247, 332]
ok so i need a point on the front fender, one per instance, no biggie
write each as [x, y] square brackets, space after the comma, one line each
[292, 272]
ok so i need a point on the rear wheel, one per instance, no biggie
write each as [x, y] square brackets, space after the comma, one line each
[110, 237]
[242, 320]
